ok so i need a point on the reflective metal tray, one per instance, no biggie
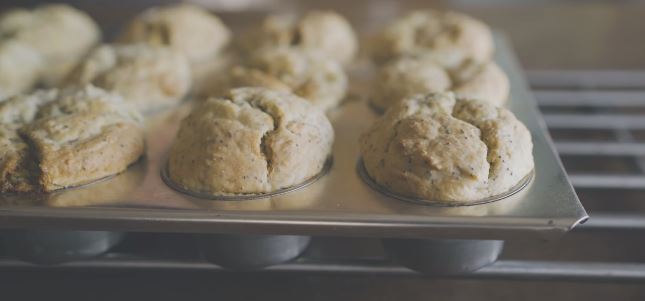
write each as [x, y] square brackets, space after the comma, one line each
[339, 204]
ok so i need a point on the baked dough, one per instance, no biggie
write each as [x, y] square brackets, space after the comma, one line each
[308, 74]
[434, 147]
[60, 33]
[407, 76]
[150, 77]
[53, 140]
[20, 67]
[189, 29]
[454, 40]
[251, 141]
[324, 31]
[487, 82]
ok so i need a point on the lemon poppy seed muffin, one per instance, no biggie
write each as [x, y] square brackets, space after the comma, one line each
[435, 147]
[53, 140]
[324, 31]
[189, 29]
[60, 33]
[407, 76]
[452, 39]
[149, 77]
[308, 74]
[251, 141]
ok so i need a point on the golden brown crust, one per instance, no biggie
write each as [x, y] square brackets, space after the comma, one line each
[58, 140]
[253, 140]
[80, 162]
[18, 166]
[437, 148]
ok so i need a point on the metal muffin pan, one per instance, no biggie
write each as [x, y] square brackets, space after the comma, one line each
[47, 247]
[338, 204]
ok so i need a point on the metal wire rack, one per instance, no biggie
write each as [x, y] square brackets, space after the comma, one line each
[597, 120]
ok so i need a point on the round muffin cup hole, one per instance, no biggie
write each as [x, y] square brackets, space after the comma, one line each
[251, 252]
[362, 172]
[46, 247]
[440, 257]
[244, 197]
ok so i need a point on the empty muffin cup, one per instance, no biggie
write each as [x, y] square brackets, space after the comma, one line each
[444, 256]
[54, 247]
[251, 252]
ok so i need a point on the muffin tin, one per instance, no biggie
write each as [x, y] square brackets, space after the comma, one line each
[248, 234]
[339, 203]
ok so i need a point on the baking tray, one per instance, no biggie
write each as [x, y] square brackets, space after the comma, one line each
[339, 204]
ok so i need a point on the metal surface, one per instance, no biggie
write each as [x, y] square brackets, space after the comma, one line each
[339, 204]
[511, 269]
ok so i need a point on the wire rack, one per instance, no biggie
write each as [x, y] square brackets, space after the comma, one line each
[597, 120]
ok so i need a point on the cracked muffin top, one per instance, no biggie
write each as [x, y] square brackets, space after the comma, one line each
[454, 40]
[149, 77]
[251, 141]
[435, 147]
[189, 29]
[407, 76]
[308, 74]
[59, 33]
[52, 140]
[324, 31]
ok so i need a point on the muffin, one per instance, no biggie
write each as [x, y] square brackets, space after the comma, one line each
[53, 140]
[149, 77]
[454, 40]
[324, 31]
[486, 82]
[407, 76]
[189, 29]
[435, 147]
[59, 32]
[251, 141]
[20, 67]
[320, 80]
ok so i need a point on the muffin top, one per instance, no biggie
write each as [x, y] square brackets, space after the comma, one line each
[192, 30]
[53, 140]
[20, 67]
[452, 39]
[251, 141]
[407, 76]
[435, 147]
[308, 74]
[150, 77]
[324, 31]
[57, 31]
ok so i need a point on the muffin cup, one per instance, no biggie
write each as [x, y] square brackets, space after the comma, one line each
[251, 252]
[47, 247]
[441, 257]
[244, 197]
[362, 172]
